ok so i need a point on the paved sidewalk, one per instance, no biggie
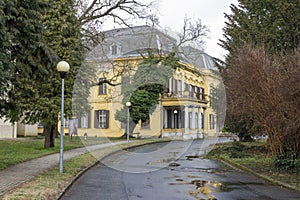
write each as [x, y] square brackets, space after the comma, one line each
[20, 173]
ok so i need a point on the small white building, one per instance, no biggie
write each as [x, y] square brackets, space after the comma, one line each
[10, 131]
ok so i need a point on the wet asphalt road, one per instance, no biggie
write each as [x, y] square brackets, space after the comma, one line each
[171, 171]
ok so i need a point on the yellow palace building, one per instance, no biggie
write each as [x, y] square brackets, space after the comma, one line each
[184, 110]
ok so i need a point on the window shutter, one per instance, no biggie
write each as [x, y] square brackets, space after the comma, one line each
[96, 119]
[89, 119]
[107, 119]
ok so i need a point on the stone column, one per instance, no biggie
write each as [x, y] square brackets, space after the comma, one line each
[186, 121]
[193, 118]
[164, 122]
[204, 121]
[200, 135]
[193, 124]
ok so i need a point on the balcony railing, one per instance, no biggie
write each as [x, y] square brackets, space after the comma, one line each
[185, 94]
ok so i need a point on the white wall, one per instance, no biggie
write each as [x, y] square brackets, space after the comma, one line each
[7, 130]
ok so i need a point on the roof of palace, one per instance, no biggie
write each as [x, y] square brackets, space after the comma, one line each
[137, 41]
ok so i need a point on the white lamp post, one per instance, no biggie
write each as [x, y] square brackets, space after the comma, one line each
[63, 68]
[128, 104]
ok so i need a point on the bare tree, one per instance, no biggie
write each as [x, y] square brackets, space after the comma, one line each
[192, 32]
[267, 90]
[93, 15]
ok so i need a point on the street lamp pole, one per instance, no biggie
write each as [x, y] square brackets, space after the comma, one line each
[62, 67]
[175, 121]
[128, 104]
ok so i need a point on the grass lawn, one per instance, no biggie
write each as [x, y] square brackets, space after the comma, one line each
[22, 149]
[255, 157]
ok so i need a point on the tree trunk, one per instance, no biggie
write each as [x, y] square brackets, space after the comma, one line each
[132, 126]
[50, 131]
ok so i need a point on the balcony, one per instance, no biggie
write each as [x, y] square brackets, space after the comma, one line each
[186, 95]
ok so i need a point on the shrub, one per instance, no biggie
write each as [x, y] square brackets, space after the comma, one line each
[287, 161]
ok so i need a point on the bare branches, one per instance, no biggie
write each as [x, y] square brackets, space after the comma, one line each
[121, 11]
[95, 15]
[119, 70]
[264, 89]
[192, 32]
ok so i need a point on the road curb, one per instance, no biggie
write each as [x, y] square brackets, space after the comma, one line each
[235, 165]
[69, 185]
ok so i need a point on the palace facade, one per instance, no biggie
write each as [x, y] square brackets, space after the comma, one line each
[184, 110]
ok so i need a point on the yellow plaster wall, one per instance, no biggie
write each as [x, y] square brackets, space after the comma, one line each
[112, 101]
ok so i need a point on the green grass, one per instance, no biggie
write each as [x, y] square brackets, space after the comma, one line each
[254, 157]
[19, 150]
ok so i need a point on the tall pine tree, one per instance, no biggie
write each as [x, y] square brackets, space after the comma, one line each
[27, 58]
[271, 23]
[62, 35]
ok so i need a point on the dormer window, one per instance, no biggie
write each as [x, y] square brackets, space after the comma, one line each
[114, 49]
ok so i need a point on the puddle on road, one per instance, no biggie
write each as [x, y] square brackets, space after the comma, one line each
[204, 188]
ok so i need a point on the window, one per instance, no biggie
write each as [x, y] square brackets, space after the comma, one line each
[211, 121]
[191, 90]
[202, 95]
[102, 86]
[179, 86]
[169, 118]
[101, 119]
[114, 49]
[167, 89]
[145, 124]
[84, 121]
[73, 126]
[174, 86]
[197, 90]
[186, 87]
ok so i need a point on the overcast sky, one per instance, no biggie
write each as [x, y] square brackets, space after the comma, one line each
[211, 13]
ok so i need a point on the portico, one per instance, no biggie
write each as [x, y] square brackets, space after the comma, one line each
[184, 121]
[184, 115]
